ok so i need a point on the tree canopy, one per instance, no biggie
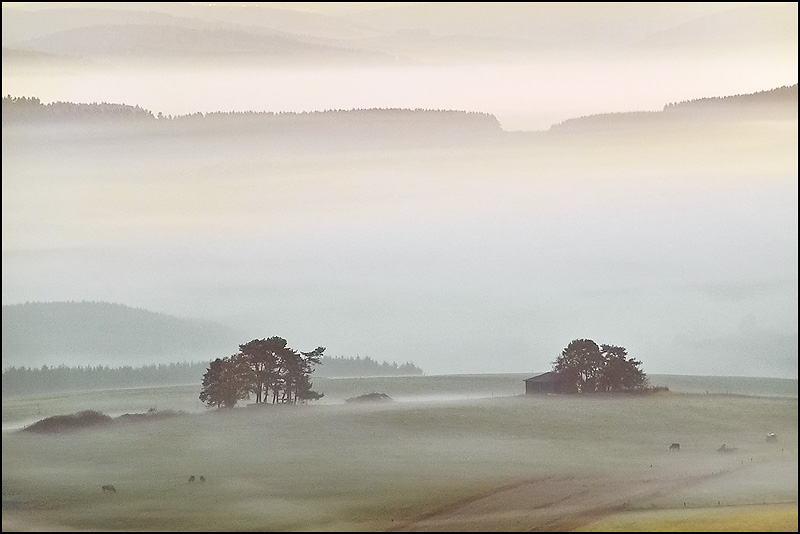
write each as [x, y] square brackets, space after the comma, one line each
[586, 367]
[261, 367]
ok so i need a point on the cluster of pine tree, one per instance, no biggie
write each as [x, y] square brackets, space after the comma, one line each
[262, 367]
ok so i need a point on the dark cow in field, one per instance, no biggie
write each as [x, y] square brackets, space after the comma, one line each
[202, 479]
[191, 479]
[109, 489]
[675, 447]
[725, 449]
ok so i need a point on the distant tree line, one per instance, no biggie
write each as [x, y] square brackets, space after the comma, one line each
[32, 109]
[779, 102]
[366, 366]
[779, 95]
[55, 379]
[585, 367]
[45, 379]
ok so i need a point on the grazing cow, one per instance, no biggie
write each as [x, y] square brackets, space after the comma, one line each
[675, 447]
[771, 437]
[202, 479]
[109, 489]
[726, 449]
[191, 479]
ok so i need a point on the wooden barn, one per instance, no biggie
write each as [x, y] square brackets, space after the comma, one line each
[549, 382]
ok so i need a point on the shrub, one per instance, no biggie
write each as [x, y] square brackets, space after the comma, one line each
[75, 421]
[371, 397]
[151, 415]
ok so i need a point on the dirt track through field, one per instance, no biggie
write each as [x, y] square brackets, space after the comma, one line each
[551, 504]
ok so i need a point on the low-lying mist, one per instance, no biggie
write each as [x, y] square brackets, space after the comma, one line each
[680, 244]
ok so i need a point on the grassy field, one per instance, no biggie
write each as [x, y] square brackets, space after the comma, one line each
[21, 411]
[338, 467]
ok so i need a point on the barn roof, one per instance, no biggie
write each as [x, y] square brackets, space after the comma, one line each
[549, 376]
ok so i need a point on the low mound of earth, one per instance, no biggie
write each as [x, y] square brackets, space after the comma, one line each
[370, 397]
[92, 419]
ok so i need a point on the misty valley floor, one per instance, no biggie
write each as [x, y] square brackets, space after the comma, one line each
[505, 463]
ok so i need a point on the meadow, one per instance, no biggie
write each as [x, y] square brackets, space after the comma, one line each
[431, 460]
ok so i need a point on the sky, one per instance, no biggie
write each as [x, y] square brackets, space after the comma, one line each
[681, 246]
